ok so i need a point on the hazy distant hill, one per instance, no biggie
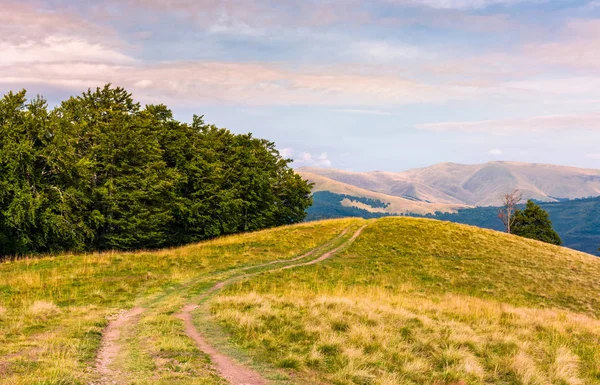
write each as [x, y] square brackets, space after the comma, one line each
[449, 186]
[395, 204]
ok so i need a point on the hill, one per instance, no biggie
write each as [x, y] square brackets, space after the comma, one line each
[576, 221]
[386, 301]
[466, 185]
[416, 301]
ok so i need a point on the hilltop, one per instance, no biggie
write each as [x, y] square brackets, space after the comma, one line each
[450, 186]
[576, 221]
[386, 301]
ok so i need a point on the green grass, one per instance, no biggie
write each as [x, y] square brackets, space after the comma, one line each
[415, 301]
[53, 309]
[411, 301]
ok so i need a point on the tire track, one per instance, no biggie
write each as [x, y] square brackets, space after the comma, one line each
[110, 347]
[234, 372]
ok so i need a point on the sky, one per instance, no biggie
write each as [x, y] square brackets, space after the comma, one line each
[353, 84]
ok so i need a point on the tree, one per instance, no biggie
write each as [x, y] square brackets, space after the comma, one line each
[534, 223]
[102, 172]
[506, 213]
[126, 181]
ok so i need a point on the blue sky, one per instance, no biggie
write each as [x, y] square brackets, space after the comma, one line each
[353, 84]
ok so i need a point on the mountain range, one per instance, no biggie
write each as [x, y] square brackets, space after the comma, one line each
[448, 187]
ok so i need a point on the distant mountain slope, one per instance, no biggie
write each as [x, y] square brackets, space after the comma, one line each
[395, 204]
[470, 185]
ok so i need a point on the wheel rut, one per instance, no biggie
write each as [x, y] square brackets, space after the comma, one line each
[234, 372]
[111, 347]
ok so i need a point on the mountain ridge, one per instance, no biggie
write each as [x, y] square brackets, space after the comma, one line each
[448, 186]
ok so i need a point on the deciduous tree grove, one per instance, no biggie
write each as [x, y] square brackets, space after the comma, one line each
[101, 172]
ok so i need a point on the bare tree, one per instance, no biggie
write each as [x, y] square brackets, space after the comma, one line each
[510, 202]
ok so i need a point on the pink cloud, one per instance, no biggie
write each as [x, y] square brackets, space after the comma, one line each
[237, 83]
[552, 123]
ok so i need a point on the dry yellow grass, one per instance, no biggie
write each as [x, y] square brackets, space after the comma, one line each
[417, 301]
[53, 309]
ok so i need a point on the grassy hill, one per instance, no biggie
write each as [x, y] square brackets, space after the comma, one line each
[53, 309]
[410, 301]
[416, 301]
[576, 221]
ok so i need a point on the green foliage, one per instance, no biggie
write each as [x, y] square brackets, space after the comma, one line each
[534, 223]
[101, 172]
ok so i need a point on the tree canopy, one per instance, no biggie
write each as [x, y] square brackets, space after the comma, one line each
[533, 222]
[99, 171]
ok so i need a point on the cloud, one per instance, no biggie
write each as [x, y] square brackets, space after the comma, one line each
[62, 50]
[304, 158]
[364, 112]
[459, 4]
[594, 156]
[212, 82]
[385, 51]
[287, 152]
[58, 49]
[495, 151]
[553, 123]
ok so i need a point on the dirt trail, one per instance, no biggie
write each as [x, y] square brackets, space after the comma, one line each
[327, 254]
[232, 371]
[110, 346]
[311, 252]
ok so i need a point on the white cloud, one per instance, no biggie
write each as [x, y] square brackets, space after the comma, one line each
[58, 49]
[304, 158]
[384, 51]
[287, 152]
[323, 160]
[495, 151]
[593, 156]
[552, 123]
[190, 83]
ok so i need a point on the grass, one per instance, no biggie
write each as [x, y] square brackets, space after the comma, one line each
[411, 301]
[53, 309]
[416, 301]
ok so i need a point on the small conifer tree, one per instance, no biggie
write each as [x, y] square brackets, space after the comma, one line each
[534, 222]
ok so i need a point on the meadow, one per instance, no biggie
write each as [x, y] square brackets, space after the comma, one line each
[53, 309]
[410, 301]
[417, 301]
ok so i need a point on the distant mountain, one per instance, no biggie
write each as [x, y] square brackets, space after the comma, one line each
[448, 187]
[395, 204]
